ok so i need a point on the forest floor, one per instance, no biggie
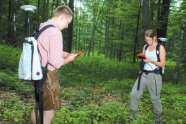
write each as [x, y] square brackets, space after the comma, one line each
[103, 103]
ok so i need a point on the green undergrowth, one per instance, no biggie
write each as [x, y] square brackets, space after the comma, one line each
[94, 90]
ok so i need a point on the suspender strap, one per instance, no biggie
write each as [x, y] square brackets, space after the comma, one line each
[139, 80]
[141, 69]
[141, 72]
[39, 83]
[37, 34]
[146, 47]
[158, 52]
[39, 91]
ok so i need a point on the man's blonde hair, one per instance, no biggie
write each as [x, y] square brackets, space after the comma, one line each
[63, 10]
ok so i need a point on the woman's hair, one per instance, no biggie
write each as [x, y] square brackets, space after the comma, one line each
[151, 33]
[63, 10]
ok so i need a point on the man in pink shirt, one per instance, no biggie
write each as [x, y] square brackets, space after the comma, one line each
[50, 44]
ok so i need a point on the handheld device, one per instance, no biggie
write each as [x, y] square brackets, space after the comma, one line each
[75, 53]
[141, 56]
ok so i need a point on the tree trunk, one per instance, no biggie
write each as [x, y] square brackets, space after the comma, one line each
[111, 50]
[107, 31]
[176, 72]
[9, 20]
[91, 44]
[53, 3]
[99, 48]
[136, 34]
[79, 26]
[120, 38]
[91, 40]
[57, 3]
[48, 9]
[70, 28]
[38, 13]
[93, 31]
[163, 14]
[1, 3]
[76, 36]
[44, 16]
[145, 20]
[94, 27]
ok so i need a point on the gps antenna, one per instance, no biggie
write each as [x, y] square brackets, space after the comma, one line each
[29, 9]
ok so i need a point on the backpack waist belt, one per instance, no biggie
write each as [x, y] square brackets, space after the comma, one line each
[147, 72]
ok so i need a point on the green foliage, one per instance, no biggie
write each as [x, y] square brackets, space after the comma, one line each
[94, 90]
[10, 81]
[173, 100]
[13, 109]
[9, 57]
[87, 68]
[107, 113]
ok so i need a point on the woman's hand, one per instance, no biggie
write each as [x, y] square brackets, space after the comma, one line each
[148, 60]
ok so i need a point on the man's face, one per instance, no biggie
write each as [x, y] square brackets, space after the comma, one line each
[64, 21]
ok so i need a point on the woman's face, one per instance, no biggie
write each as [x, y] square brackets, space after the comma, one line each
[149, 40]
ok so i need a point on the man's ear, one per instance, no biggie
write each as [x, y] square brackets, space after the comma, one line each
[62, 17]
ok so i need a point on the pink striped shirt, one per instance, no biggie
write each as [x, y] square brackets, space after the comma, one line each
[50, 44]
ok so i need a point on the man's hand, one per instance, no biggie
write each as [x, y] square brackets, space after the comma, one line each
[65, 54]
[70, 58]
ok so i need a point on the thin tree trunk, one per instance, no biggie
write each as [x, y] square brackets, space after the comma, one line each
[136, 35]
[1, 10]
[86, 30]
[44, 16]
[145, 20]
[93, 30]
[76, 18]
[94, 27]
[53, 3]
[99, 48]
[70, 28]
[152, 9]
[121, 45]
[107, 31]
[38, 13]
[93, 45]
[9, 20]
[57, 3]
[48, 9]
[79, 25]
[92, 39]
[111, 50]
[176, 72]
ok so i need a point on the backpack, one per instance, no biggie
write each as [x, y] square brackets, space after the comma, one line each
[29, 63]
[158, 56]
[30, 67]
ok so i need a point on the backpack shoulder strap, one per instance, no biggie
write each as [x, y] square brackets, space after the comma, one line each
[158, 51]
[146, 46]
[36, 35]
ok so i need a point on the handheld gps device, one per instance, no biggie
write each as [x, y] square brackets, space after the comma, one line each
[75, 53]
[141, 56]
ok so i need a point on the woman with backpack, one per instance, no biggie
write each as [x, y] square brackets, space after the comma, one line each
[151, 76]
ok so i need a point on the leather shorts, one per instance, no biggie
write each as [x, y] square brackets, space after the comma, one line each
[51, 92]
